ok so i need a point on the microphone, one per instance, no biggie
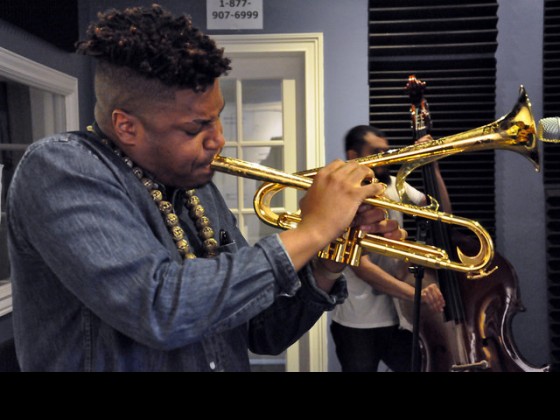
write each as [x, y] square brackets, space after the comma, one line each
[548, 130]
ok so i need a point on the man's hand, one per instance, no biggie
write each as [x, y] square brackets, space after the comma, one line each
[432, 297]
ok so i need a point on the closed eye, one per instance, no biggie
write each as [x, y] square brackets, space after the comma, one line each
[195, 127]
[192, 129]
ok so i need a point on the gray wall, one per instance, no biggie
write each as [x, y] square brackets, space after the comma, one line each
[519, 191]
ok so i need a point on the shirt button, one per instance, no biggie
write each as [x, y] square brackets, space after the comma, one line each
[212, 365]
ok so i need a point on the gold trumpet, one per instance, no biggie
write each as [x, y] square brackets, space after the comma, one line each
[515, 131]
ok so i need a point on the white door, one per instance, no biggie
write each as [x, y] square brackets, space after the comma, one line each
[273, 116]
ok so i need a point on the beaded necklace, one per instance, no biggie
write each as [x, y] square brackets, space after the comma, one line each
[192, 202]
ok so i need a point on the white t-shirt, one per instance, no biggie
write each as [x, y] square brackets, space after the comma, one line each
[365, 307]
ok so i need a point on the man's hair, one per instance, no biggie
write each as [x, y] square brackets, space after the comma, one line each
[157, 45]
[145, 55]
[354, 139]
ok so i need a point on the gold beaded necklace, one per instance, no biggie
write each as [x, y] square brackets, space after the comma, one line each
[192, 202]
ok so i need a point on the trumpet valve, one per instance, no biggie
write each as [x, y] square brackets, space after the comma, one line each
[346, 249]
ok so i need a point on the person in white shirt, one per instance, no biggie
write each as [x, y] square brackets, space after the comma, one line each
[366, 327]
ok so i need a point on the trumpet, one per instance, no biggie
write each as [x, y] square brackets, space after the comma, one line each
[514, 131]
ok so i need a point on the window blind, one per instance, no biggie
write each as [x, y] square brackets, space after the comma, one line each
[451, 47]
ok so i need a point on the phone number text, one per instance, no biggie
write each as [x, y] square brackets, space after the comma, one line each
[244, 14]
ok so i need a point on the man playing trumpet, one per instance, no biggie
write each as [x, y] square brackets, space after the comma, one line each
[124, 255]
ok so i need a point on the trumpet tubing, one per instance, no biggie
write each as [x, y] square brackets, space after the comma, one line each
[514, 131]
[348, 248]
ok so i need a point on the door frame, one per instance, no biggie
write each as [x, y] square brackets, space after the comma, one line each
[315, 356]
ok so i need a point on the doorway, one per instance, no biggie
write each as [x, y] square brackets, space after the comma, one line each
[274, 116]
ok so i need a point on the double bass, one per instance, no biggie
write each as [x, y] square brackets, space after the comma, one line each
[474, 333]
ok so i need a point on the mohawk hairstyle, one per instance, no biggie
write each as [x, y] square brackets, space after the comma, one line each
[155, 44]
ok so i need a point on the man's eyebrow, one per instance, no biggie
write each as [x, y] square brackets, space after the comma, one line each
[208, 120]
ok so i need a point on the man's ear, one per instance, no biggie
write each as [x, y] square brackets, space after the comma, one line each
[126, 126]
[351, 154]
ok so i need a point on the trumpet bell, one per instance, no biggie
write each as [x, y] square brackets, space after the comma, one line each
[515, 131]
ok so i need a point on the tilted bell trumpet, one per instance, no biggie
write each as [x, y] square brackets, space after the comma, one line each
[515, 131]
[347, 249]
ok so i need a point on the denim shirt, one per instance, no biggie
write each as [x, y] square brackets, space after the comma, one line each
[98, 284]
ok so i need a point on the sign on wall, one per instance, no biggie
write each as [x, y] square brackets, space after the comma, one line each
[234, 14]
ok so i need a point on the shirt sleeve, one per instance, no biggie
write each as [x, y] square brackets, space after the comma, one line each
[283, 323]
[414, 195]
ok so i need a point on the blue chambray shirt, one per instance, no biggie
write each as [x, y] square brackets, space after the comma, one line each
[98, 284]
